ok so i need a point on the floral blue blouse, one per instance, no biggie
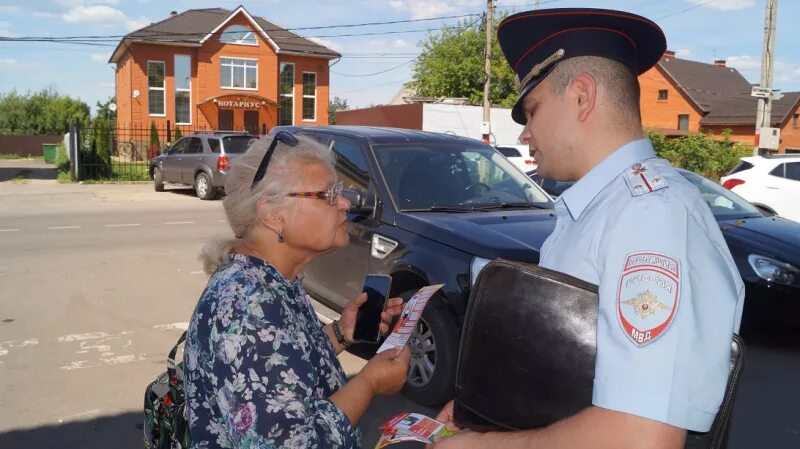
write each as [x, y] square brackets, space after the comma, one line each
[259, 366]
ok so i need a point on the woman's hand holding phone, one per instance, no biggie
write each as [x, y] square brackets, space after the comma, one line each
[393, 308]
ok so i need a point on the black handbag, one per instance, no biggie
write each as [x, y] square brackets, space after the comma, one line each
[165, 424]
[528, 349]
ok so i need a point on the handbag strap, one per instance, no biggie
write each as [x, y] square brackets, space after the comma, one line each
[171, 365]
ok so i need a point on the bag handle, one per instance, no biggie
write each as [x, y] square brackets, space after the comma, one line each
[171, 366]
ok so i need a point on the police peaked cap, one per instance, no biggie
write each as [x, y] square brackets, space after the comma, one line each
[534, 42]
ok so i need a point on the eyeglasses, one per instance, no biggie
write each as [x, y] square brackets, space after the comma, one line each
[281, 136]
[331, 194]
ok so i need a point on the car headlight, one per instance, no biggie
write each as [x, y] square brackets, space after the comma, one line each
[773, 270]
[475, 268]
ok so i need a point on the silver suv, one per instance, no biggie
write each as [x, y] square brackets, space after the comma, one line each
[200, 160]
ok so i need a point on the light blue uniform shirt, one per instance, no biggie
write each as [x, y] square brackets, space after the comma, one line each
[670, 294]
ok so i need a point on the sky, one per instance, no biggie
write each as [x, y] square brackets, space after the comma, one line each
[373, 66]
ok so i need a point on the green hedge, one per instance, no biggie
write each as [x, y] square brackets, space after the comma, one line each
[700, 153]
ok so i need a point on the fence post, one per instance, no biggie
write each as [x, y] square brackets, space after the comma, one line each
[169, 134]
[74, 151]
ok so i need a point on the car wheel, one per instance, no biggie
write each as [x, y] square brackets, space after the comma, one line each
[158, 179]
[202, 185]
[434, 354]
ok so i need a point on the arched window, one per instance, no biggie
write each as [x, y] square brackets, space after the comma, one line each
[238, 34]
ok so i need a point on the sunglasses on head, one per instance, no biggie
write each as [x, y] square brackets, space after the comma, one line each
[281, 136]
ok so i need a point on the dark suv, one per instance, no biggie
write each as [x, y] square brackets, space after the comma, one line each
[426, 209]
[200, 160]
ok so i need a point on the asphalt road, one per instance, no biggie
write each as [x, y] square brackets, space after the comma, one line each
[97, 282]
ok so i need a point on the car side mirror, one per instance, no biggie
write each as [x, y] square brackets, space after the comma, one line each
[358, 200]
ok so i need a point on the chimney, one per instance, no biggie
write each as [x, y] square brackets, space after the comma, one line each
[719, 62]
[173, 13]
[669, 54]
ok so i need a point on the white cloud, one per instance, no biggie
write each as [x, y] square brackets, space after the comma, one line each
[683, 53]
[10, 9]
[135, 24]
[400, 43]
[94, 14]
[99, 57]
[75, 3]
[8, 64]
[747, 65]
[423, 9]
[330, 44]
[6, 31]
[724, 5]
[104, 15]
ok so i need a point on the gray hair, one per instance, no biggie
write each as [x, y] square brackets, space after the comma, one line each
[280, 179]
[618, 83]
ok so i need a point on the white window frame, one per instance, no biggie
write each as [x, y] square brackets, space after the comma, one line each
[245, 73]
[302, 106]
[252, 33]
[183, 90]
[163, 88]
[294, 79]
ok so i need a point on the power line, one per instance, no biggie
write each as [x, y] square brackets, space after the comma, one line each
[376, 73]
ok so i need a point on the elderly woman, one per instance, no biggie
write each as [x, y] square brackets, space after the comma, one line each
[261, 370]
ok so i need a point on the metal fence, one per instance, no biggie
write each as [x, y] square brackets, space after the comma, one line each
[100, 152]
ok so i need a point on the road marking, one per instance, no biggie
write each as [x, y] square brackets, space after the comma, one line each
[59, 228]
[179, 222]
[181, 326]
[9, 230]
[79, 415]
[222, 221]
[8, 344]
[126, 225]
[195, 273]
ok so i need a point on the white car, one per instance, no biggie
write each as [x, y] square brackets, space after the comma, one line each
[518, 155]
[771, 183]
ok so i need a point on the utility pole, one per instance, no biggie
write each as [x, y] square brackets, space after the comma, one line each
[486, 128]
[764, 111]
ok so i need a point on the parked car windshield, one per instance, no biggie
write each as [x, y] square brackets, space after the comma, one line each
[724, 204]
[455, 176]
[236, 144]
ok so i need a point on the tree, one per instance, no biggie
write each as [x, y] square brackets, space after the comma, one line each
[42, 113]
[177, 134]
[452, 65]
[337, 104]
[700, 153]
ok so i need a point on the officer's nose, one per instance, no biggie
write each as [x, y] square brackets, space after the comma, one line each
[525, 136]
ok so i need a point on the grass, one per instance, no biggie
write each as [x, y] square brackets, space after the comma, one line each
[138, 171]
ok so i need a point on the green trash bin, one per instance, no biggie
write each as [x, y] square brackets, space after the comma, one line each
[50, 151]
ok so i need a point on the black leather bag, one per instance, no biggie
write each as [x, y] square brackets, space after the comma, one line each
[528, 351]
[165, 424]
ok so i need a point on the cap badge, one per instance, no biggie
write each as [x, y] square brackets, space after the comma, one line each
[539, 68]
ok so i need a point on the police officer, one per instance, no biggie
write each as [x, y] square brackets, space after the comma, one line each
[670, 295]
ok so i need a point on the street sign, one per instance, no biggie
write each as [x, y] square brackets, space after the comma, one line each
[761, 92]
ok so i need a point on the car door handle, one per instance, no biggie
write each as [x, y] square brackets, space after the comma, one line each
[772, 187]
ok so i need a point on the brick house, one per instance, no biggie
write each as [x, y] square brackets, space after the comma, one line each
[679, 97]
[222, 70]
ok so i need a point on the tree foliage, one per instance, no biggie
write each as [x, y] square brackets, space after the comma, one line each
[452, 65]
[337, 104]
[42, 113]
[701, 153]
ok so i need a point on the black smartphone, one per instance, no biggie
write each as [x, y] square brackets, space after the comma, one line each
[368, 320]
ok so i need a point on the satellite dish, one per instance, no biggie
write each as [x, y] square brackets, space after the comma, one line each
[112, 107]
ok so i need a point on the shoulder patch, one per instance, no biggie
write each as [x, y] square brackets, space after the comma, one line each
[648, 296]
[643, 178]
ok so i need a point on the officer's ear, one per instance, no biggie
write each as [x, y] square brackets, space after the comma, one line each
[583, 92]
